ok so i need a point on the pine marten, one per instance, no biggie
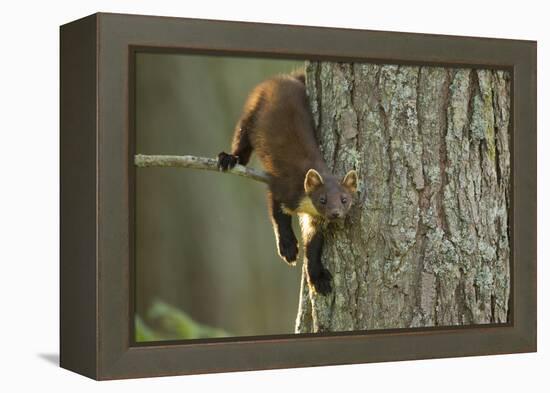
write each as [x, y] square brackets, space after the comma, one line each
[278, 125]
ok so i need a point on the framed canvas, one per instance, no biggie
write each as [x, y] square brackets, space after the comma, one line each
[409, 159]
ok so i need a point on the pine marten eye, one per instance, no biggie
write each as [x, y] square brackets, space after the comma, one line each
[344, 200]
[323, 200]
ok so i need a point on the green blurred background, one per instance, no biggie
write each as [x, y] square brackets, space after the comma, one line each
[206, 259]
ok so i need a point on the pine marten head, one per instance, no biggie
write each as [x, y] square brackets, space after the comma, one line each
[331, 198]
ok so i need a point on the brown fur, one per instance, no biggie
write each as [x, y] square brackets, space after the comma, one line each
[283, 137]
[277, 124]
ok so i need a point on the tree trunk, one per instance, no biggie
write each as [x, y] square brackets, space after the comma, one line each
[427, 241]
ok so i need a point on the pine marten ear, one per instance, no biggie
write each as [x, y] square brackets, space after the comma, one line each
[350, 181]
[312, 181]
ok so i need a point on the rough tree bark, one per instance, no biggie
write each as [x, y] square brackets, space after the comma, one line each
[427, 243]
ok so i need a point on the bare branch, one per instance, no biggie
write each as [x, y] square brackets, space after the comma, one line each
[192, 162]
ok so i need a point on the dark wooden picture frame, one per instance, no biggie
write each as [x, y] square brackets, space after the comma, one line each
[97, 174]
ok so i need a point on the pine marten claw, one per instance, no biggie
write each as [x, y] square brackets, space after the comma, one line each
[227, 161]
[321, 283]
[288, 250]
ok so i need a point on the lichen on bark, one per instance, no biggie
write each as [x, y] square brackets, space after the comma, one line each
[427, 241]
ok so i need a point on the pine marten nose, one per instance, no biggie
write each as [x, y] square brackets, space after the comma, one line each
[335, 214]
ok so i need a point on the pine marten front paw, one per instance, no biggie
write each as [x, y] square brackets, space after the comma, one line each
[288, 249]
[321, 282]
[227, 161]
